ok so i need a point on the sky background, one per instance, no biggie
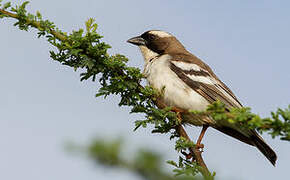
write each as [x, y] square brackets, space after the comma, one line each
[43, 105]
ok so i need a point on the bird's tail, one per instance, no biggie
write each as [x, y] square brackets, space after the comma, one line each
[264, 148]
[251, 137]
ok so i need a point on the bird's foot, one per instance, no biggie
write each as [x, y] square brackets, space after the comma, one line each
[178, 111]
[199, 147]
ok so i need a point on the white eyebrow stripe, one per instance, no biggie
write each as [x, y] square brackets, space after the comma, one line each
[161, 34]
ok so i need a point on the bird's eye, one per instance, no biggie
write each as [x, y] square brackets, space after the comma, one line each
[151, 37]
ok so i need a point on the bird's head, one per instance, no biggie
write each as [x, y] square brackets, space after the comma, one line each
[156, 42]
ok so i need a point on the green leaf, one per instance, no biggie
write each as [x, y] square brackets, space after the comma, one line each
[6, 5]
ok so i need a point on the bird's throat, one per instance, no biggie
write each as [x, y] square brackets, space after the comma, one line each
[148, 54]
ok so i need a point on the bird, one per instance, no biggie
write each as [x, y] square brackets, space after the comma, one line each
[187, 83]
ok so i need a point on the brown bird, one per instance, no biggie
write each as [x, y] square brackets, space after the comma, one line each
[187, 83]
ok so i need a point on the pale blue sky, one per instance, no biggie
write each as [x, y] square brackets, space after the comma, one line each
[43, 104]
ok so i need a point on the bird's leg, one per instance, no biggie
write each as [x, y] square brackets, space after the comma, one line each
[182, 133]
[177, 111]
[198, 143]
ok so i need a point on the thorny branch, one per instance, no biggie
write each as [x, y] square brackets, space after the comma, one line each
[84, 50]
[196, 153]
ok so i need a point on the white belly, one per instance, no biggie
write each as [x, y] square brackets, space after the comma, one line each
[175, 92]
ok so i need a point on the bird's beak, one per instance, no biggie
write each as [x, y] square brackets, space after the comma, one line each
[137, 41]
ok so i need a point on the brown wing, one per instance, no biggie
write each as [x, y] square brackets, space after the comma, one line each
[190, 58]
[205, 82]
[211, 91]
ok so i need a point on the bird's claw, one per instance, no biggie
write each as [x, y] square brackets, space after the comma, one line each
[178, 112]
[199, 146]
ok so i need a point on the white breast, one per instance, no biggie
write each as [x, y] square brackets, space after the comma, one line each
[175, 92]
